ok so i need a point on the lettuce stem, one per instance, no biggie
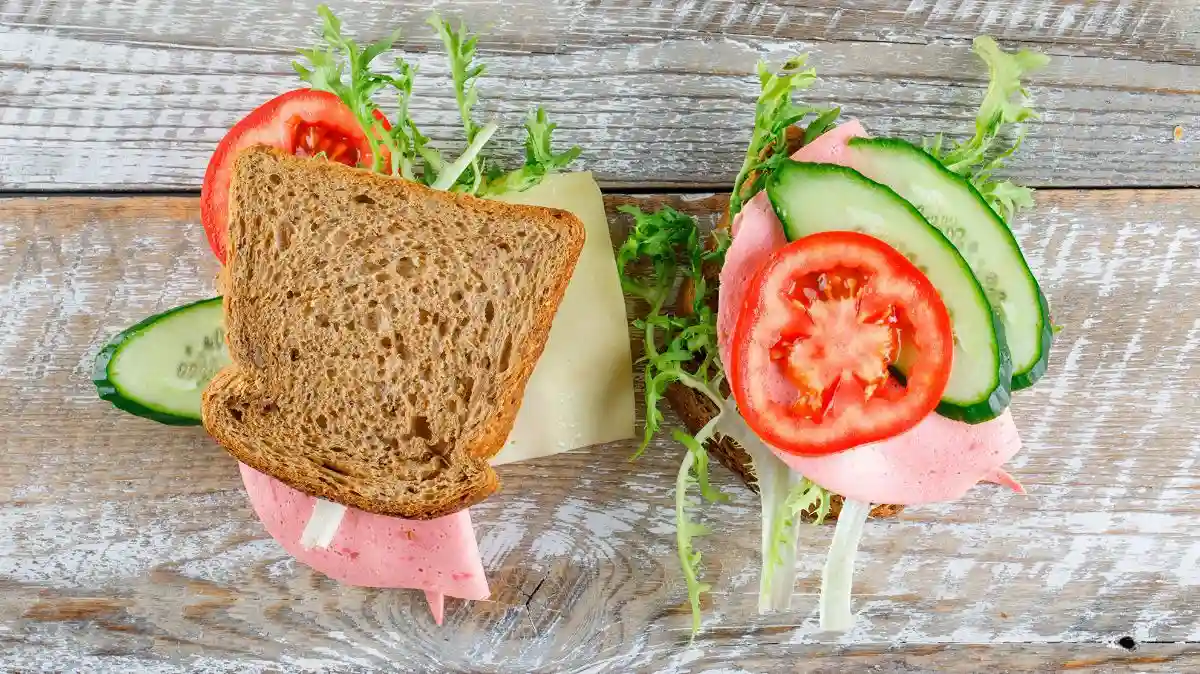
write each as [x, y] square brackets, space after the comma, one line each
[838, 577]
[448, 177]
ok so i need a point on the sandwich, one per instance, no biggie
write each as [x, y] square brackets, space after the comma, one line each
[850, 337]
[392, 324]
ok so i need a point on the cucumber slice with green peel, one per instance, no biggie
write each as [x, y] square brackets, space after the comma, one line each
[811, 198]
[952, 204]
[158, 368]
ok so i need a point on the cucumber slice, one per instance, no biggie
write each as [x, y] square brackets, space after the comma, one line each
[810, 198]
[952, 204]
[158, 368]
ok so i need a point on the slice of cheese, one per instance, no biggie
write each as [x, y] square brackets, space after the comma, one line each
[581, 390]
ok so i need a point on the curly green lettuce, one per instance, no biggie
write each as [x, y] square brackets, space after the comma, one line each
[1004, 105]
[340, 66]
[774, 112]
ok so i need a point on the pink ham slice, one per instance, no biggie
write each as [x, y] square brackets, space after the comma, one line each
[939, 459]
[438, 556]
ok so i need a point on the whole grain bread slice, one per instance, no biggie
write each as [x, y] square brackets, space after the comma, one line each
[381, 332]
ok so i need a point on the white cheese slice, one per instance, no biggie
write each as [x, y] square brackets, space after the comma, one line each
[581, 390]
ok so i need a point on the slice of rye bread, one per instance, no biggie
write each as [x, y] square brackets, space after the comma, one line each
[381, 332]
[696, 409]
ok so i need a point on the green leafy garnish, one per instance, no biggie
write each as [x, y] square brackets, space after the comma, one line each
[326, 71]
[340, 66]
[1004, 104]
[774, 112]
[540, 158]
[685, 530]
[460, 47]
[660, 248]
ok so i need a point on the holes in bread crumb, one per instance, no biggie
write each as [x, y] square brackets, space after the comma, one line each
[322, 321]
[441, 448]
[364, 199]
[385, 342]
[322, 422]
[489, 311]
[505, 353]
[405, 267]
[504, 247]
[290, 294]
[382, 276]
[465, 386]
[372, 321]
[295, 354]
[401, 349]
[236, 413]
[269, 408]
[424, 317]
[275, 179]
[420, 428]
[456, 296]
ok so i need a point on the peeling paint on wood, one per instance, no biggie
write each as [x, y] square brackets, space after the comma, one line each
[136, 96]
[129, 546]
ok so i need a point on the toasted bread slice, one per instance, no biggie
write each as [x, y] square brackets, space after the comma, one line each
[381, 332]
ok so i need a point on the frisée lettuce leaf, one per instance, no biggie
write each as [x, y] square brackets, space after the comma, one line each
[340, 66]
[1004, 105]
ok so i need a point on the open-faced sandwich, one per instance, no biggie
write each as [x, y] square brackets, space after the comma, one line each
[392, 324]
[851, 334]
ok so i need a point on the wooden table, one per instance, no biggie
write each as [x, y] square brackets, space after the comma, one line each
[126, 546]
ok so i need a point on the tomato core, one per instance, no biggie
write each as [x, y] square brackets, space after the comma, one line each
[836, 345]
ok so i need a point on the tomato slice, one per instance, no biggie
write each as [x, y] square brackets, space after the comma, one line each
[304, 122]
[826, 324]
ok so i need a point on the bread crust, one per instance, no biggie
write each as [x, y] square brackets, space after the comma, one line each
[242, 384]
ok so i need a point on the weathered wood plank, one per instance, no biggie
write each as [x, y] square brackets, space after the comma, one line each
[120, 99]
[1145, 30]
[130, 545]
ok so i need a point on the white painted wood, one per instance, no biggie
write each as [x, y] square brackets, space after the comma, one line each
[127, 545]
[135, 95]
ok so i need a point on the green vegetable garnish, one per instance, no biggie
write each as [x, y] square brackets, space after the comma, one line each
[460, 47]
[1004, 104]
[774, 112]
[341, 67]
[540, 158]
[677, 348]
[327, 70]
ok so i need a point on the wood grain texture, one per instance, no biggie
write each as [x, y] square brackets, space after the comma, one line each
[129, 546]
[135, 95]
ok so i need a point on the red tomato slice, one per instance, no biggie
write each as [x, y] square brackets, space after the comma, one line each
[823, 324]
[304, 122]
